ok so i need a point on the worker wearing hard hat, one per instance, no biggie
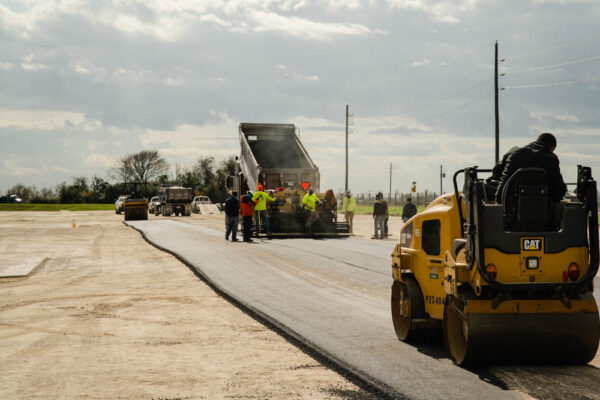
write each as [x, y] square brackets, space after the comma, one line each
[348, 207]
[247, 210]
[309, 202]
[260, 198]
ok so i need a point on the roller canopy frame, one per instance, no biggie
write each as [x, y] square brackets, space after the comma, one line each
[471, 227]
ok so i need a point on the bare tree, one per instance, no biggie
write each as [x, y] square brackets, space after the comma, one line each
[144, 166]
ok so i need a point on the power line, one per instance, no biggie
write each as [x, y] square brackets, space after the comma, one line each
[553, 65]
[456, 93]
[551, 84]
[447, 97]
[454, 109]
[531, 53]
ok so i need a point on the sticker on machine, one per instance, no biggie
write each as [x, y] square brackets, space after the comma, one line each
[532, 244]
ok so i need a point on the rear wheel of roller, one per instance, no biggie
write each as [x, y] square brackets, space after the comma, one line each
[456, 329]
[407, 305]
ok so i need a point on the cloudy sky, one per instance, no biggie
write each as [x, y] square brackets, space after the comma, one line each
[84, 82]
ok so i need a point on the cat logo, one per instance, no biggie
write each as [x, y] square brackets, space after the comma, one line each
[532, 244]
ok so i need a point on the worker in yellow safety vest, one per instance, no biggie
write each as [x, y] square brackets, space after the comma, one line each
[309, 202]
[348, 207]
[260, 198]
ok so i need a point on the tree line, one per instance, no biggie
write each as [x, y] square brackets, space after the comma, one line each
[140, 173]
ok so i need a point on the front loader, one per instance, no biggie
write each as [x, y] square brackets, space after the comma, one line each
[508, 282]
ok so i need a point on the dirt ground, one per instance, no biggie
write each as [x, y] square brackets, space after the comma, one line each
[108, 316]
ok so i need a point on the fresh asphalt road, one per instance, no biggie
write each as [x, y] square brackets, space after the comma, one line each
[334, 295]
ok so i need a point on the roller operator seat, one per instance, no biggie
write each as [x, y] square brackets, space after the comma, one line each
[526, 203]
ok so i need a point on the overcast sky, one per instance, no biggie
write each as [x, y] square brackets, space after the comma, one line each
[84, 82]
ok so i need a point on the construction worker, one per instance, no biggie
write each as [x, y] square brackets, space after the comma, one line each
[380, 212]
[409, 210]
[309, 202]
[260, 198]
[538, 154]
[232, 216]
[247, 211]
[348, 207]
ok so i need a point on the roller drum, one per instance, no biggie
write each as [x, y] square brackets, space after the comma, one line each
[513, 337]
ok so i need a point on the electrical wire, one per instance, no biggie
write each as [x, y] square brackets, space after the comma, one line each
[553, 65]
[448, 97]
[453, 109]
[551, 84]
[456, 93]
[559, 46]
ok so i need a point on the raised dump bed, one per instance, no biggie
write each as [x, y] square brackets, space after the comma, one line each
[273, 155]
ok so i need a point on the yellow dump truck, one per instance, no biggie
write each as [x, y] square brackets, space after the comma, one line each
[507, 282]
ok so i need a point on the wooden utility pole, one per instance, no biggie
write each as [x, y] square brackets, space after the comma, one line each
[441, 186]
[390, 195]
[496, 103]
[346, 147]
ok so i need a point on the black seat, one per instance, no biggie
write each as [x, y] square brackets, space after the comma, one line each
[525, 200]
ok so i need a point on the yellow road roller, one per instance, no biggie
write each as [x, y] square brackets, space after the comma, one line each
[509, 281]
[135, 209]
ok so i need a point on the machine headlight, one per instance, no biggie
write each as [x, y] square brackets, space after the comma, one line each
[533, 262]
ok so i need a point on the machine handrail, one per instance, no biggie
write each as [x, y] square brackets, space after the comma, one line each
[458, 202]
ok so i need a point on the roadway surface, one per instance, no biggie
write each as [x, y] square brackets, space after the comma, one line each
[333, 295]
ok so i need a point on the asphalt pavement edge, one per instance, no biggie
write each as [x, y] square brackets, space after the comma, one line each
[375, 387]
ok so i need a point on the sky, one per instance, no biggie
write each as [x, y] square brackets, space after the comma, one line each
[83, 83]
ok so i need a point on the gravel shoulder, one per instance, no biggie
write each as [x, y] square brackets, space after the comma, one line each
[110, 316]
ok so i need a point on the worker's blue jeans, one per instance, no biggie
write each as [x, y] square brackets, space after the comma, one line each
[379, 226]
[231, 226]
[264, 220]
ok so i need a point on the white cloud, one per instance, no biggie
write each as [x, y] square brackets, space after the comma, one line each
[305, 28]
[444, 11]
[186, 142]
[170, 21]
[12, 167]
[132, 75]
[548, 116]
[215, 20]
[81, 70]
[29, 64]
[174, 81]
[289, 73]
[86, 69]
[421, 63]
[39, 119]
[44, 120]
[98, 160]
[5, 65]
[59, 169]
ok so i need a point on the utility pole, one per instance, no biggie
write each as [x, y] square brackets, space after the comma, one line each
[390, 193]
[442, 175]
[496, 103]
[346, 147]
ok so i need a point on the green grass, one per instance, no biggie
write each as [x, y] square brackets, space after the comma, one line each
[56, 207]
[393, 210]
[368, 210]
